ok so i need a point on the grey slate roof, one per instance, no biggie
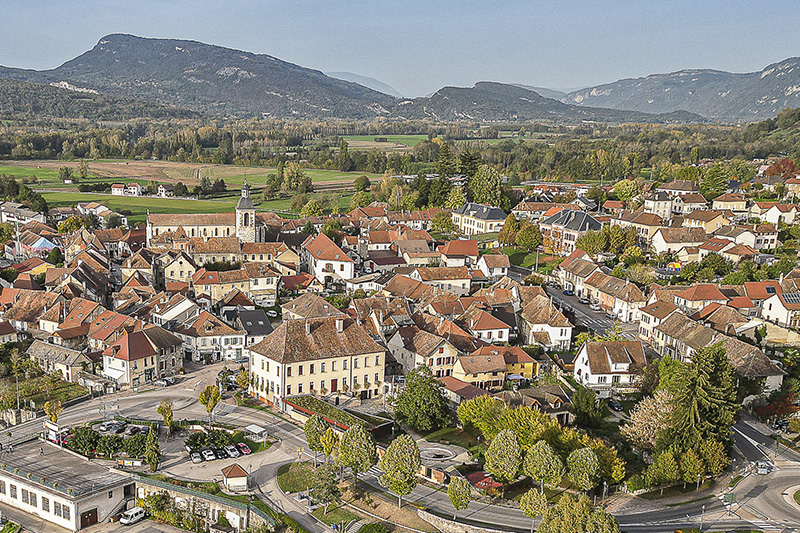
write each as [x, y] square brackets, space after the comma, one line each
[573, 220]
[481, 212]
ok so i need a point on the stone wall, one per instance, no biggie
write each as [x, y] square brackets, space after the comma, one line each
[448, 526]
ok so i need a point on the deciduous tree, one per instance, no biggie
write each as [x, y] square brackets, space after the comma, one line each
[625, 190]
[422, 404]
[357, 450]
[330, 442]
[544, 464]
[582, 468]
[576, 515]
[400, 465]
[312, 208]
[649, 420]
[53, 410]
[360, 199]
[455, 199]
[165, 410]
[361, 183]
[508, 233]
[209, 398]
[529, 236]
[459, 493]
[533, 504]
[691, 466]
[325, 488]
[313, 429]
[589, 410]
[663, 471]
[504, 457]
[487, 187]
[152, 451]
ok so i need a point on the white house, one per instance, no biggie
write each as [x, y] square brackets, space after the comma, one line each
[543, 323]
[472, 219]
[494, 266]
[608, 366]
[326, 261]
[782, 309]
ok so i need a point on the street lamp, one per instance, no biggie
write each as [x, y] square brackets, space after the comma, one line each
[698, 486]
[702, 516]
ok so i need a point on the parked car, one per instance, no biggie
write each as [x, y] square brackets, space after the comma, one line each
[615, 405]
[781, 425]
[242, 360]
[232, 451]
[568, 293]
[105, 426]
[208, 455]
[144, 430]
[272, 313]
[196, 457]
[132, 516]
[131, 430]
[763, 468]
[595, 307]
[117, 428]
[584, 301]
[611, 316]
[160, 383]
[244, 448]
[219, 453]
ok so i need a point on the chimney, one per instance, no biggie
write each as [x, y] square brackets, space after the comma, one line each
[308, 327]
[339, 325]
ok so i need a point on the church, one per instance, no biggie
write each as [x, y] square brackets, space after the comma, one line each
[244, 224]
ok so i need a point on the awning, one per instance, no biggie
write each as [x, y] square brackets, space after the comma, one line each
[256, 430]
[113, 373]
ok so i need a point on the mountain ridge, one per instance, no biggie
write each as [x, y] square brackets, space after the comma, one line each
[228, 82]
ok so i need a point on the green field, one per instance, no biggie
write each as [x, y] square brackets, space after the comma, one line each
[410, 140]
[139, 206]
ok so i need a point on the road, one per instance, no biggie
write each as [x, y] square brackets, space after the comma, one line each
[585, 317]
[761, 501]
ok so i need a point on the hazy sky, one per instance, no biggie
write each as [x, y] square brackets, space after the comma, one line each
[419, 46]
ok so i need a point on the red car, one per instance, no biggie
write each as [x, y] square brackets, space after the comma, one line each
[244, 448]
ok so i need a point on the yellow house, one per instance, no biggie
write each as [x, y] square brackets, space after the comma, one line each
[483, 371]
[730, 201]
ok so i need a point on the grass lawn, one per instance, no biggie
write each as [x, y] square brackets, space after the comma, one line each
[520, 257]
[255, 446]
[385, 506]
[61, 390]
[10, 527]
[336, 515]
[295, 477]
[675, 490]
[139, 206]
[454, 436]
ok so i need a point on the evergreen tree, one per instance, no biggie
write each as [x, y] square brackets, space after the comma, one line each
[152, 451]
[455, 199]
[714, 182]
[445, 162]
[589, 410]
[468, 163]
[508, 234]
[487, 187]
[439, 191]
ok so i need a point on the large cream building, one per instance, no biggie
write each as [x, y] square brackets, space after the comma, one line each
[316, 355]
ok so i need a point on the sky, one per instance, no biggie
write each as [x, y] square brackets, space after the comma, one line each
[418, 46]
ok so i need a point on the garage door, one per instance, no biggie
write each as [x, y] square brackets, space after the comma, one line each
[88, 518]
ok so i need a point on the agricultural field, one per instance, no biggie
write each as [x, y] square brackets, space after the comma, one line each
[143, 172]
[393, 142]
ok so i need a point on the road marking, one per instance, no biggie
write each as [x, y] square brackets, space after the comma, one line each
[757, 445]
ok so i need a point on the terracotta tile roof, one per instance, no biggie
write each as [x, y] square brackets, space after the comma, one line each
[443, 273]
[460, 248]
[478, 364]
[297, 281]
[30, 305]
[741, 250]
[761, 290]
[204, 277]
[730, 197]
[683, 235]
[310, 305]
[460, 339]
[701, 292]
[363, 307]
[192, 219]
[659, 309]
[214, 245]
[291, 343]
[273, 248]
[419, 341]
[693, 198]
[748, 360]
[29, 264]
[476, 319]
[511, 354]
[233, 471]
[614, 204]
[323, 249]
[497, 260]
[459, 306]
[465, 391]
[704, 215]
[719, 316]
[541, 310]
[715, 245]
[130, 347]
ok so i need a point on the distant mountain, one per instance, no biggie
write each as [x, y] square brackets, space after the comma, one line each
[547, 93]
[714, 94]
[498, 102]
[19, 99]
[225, 82]
[210, 79]
[366, 81]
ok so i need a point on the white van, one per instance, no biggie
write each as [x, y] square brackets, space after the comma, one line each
[132, 516]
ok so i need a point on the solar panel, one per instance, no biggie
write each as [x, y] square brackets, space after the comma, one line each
[770, 290]
[792, 298]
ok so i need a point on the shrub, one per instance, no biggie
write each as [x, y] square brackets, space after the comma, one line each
[637, 482]
[374, 528]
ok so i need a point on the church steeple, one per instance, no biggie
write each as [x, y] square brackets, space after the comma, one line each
[246, 216]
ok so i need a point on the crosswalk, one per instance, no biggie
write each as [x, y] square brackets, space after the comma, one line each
[375, 471]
